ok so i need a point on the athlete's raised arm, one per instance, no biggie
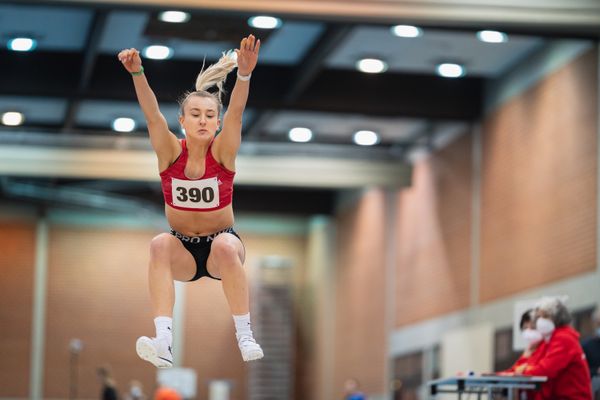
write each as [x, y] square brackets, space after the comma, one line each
[163, 141]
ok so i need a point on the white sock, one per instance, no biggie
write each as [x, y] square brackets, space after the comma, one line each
[242, 324]
[164, 328]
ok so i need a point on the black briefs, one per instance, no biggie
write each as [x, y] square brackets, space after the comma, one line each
[199, 248]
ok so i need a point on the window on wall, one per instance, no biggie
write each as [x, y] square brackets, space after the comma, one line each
[504, 355]
[408, 376]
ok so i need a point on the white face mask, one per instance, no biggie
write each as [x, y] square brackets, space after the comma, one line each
[598, 331]
[532, 336]
[544, 326]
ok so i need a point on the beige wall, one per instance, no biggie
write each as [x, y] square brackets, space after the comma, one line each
[315, 307]
[433, 242]
[535, 163]
[17, 252]
[97, 292]
[538, 201]
[539, 178]
[292, 247]
[360, 335]
[210, 345]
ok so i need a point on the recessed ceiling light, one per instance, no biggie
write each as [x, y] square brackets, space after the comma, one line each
[157, 52]
[371, 65]
[492, 36]
[176, 17]
[123, 124]
[12, 118]
[22, 44]
[366, 138]
[300, 135]
[264, 22]
[450, 70]
[407, 31]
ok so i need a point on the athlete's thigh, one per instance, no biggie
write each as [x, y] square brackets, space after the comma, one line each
[224, 239]
[183, 265]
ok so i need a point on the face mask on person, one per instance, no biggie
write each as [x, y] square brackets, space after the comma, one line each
[598, 331]
[545, 326]
[532, 336]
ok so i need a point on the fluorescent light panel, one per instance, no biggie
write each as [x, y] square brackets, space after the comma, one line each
[371, 65]
[366, 138]
[157, 52]
[176, 17]
[13, 118]
[492, 36]
[264, 22]
[450, 70]
[300, 135]
[123, 125]
[22, 44]
[406, 31]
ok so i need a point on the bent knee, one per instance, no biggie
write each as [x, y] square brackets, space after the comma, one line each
[225, 248]
[161, 245]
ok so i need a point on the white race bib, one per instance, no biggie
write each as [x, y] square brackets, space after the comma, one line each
[203, 193]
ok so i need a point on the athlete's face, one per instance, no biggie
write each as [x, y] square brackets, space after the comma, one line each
[200, 118]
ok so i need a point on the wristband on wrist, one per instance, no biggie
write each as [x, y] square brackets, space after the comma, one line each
[244, 77]
[140, 72]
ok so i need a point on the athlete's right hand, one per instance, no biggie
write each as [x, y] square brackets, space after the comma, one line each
[131, 60]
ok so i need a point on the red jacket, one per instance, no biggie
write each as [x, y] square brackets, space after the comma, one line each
[562, 360]
[526, 360]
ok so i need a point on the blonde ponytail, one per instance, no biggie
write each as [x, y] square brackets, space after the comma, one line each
[216, 74]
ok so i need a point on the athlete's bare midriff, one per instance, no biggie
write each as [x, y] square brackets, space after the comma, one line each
[199, 223]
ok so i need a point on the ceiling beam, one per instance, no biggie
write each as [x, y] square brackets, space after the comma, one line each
[389, 94]
[120, 142]
[92, 44]
[276, 170]
[307, 70]
[258, 123]
[395, 95]
[304, 73]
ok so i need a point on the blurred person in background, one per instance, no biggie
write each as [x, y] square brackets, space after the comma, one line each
[352, 390]
[165, 393]
[530, 355]
[591, 345]
[532, 338]
[136, 391]
[109, 388]
[561, 357]
[591, 348]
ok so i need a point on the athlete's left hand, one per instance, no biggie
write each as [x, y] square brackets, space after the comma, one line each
[247, 55]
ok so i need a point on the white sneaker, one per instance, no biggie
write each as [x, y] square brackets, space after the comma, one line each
[156, 351]
[249, 348]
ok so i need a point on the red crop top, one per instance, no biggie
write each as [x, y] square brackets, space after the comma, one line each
[212, 191]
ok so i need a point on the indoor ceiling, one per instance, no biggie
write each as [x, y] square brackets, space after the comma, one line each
[72, 84]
